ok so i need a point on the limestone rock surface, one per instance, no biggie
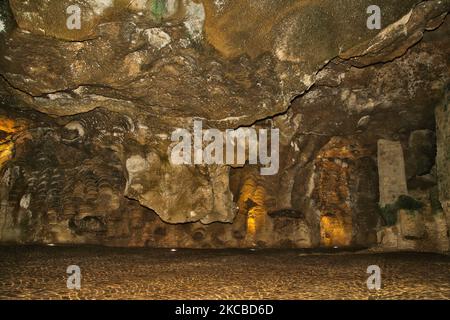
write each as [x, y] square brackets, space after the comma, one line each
[87, 116]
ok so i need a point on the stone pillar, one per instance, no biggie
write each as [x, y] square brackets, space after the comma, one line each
[391, 171]
[443, 154]
[392, 184]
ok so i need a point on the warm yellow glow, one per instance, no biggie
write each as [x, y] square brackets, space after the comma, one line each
[335, 167]
[5, 152]
[333, 231]
[8, 127]
[252, 203]
[251, 223]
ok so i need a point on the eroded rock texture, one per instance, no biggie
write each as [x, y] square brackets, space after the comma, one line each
[443, 155]
[87, 117]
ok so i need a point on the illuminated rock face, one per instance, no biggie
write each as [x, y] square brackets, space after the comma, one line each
[86, 119]
[6, 153]
[6, 129]
[337, 176]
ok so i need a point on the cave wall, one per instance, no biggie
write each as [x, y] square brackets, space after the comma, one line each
[443, 156]
[86, 118]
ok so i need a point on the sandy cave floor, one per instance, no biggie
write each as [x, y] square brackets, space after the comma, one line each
[113, 273]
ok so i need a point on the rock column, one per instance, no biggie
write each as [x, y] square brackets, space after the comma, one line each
[391, 170]
[443, 154]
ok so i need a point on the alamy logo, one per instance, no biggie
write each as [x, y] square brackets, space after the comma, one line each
[228, 147]
[74, 279]
[73, 22]
[374, 21]
[374, 281]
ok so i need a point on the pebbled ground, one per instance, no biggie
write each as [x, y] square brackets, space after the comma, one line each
[111, 273]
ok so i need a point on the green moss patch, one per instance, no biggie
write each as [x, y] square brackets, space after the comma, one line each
[159, 9]
[389, 213]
